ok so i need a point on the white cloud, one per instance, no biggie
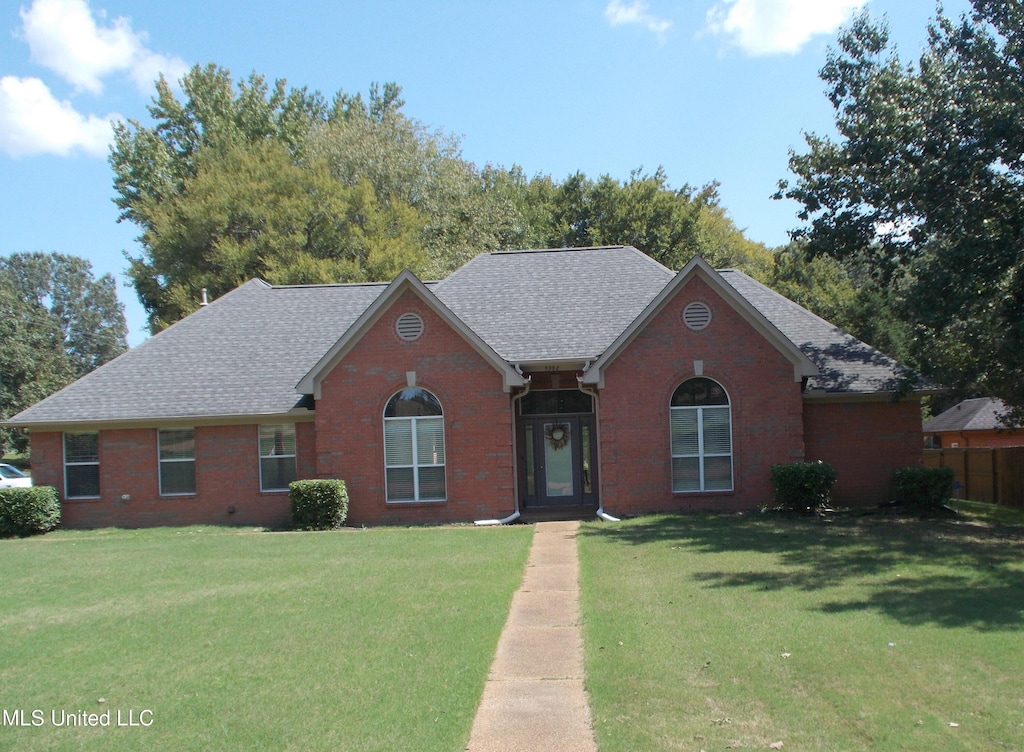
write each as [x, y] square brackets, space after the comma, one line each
[63, 36]
[765, 27]
[147, 69]
[636, 13]
[33, 121]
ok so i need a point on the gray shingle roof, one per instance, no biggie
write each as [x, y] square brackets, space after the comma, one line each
[553, 304]
[244, 353]
[845, 364]
[981, 414]
[241, 355]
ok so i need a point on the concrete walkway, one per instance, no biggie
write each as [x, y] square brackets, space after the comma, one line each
[534, 698]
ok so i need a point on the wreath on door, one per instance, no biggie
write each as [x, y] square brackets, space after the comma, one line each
[557, 435]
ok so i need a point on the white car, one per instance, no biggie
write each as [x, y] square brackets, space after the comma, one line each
[12, 477]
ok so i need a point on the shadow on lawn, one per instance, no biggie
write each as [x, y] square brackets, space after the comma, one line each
[975, 579]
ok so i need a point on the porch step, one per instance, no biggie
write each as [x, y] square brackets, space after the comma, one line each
[558, 514]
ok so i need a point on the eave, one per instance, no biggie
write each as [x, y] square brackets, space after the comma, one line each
[296, 415]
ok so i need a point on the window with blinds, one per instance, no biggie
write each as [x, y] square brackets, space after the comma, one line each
[82, 465]
[701, 437]
[277, 456]
[177, 462]
[414, 452]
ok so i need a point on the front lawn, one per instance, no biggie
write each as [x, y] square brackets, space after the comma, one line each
[855, 632]
[239, 639]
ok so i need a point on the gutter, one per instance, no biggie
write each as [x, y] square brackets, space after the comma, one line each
[515, 461]
[597, 415]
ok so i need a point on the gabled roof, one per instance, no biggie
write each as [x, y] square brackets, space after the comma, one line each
[310, 383]
[242, 356]
[564, 304]
[981, 414]
[697, 267]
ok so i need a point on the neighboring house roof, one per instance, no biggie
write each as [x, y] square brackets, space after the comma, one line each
[981, 414]
[244, 355]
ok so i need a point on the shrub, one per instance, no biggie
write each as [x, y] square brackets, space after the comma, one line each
[27, 511]
[923, 486]
[803, 485]
[318, 504]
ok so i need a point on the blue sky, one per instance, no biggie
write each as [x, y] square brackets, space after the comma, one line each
[707, 89]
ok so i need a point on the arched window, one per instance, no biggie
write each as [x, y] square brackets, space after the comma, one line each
[701, 427]
[414, 447]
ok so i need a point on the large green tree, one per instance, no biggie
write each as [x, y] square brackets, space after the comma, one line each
[243, 179]
[57, 323]
[251, 211]
[924, 189]
[465, 210]
[671, 225]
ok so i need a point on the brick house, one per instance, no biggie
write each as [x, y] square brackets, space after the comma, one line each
[569, 381]
[980, 422]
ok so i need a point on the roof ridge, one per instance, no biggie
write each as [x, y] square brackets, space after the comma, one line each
[318, 285]
[563, 249]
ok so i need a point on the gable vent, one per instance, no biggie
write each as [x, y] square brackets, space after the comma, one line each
[697, 316]
[409, 326]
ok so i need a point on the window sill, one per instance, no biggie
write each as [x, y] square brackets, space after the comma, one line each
[730, 492]
[416, 503]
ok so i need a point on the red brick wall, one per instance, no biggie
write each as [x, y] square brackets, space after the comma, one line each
[864, 442]
[767, 424]
[227, 478]
[477, 421]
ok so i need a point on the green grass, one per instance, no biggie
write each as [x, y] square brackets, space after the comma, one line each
[856, 632]
[241, 639]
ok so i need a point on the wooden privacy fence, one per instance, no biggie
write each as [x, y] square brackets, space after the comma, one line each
[992, 474]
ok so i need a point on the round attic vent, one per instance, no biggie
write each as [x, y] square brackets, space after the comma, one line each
[409, 326]
[697, 316]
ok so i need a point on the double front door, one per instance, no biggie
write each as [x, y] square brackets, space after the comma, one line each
[558, 450]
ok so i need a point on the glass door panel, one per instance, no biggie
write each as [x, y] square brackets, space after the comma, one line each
[558, 465]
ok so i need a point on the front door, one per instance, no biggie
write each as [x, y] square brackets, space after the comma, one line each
[557, 451]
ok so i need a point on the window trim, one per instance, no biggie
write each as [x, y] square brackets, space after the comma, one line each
[64, 458]
[701, 456]
[161, 461]
[293, 456]
[412, 420]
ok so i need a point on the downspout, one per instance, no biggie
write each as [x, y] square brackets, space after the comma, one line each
[597, 415]
[515, 461]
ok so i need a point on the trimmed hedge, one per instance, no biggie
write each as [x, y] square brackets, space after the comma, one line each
[318, 504]
[28, 511]
[803, 486]
[923, 486]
